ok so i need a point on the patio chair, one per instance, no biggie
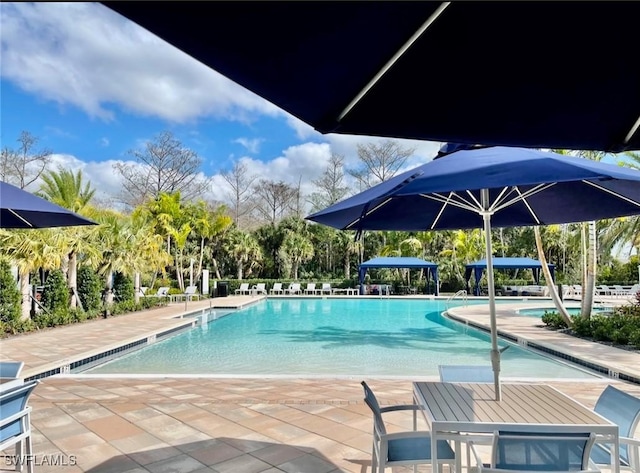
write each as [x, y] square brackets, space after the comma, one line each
[190, 292]
[162, 292]
[243, 289]
[401, 448]
[326, 288]
[294, 288]
[622, 409]
[11, 369]
[277, 288]
[311, 288]
[15, 423]
[556, 449]
[465, 374]
[259, 288]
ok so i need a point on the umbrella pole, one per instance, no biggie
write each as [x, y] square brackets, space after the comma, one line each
[495, 353]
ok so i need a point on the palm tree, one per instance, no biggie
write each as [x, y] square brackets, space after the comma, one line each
[30, 250]
[298, 249]
[245, 250]
[66, 189]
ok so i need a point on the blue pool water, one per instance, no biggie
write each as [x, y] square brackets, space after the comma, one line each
[313, 336]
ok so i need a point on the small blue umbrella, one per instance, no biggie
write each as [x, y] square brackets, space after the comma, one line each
[21, 209]
[481, 187]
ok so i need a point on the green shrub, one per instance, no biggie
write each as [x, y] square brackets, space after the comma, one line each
[89, 289]
[55, 294]
[10, 297]
[581, 326]
[553, 320]
[123, 287]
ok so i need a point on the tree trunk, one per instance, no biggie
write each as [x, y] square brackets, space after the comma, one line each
[553, 292]
[295, 271]
[215, 267]
[590, 272]
[108, 294]
[25, 290]
[347, 266]
[72, 279]
[136, 287]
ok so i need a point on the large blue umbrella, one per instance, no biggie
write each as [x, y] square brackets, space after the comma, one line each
[499, 186]
[21, 209]
[500, 73]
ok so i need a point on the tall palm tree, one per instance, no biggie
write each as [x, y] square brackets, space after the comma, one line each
[245, 250]
[299, 250]
[68, 190]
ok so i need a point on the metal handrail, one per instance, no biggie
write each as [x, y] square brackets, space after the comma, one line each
[461, 292]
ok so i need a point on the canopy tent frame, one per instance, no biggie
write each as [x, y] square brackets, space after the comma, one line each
[476, 268]
[399, 262]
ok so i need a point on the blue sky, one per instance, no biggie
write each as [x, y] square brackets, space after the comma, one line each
[91, 86]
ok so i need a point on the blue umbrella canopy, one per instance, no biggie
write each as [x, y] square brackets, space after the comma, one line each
[478, 188]
[523, 186]
[21, 209]
[499, 73]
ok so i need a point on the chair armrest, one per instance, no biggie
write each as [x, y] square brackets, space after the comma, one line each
[401, 407]
[406, 434]
[630, 441]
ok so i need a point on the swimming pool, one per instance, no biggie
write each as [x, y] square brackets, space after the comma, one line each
[313, 336]
[540, 311]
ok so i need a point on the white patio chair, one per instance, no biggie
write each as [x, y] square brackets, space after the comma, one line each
[294, 288]
[259, 288]
[401, 448]
[326, 288]
[243, 289]
[622, 409]
[190, 293]
[277, 288]
[311, 288]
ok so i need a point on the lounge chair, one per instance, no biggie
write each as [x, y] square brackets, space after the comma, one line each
[294, 288]
[162, 292]
[622, 409]
[189, 294]
[277, 288]
[465, 374]
[259, 288]
[401, 448]
[556, 449]
[243, 289]
[311, 288]
[15, 422]
[326, 288]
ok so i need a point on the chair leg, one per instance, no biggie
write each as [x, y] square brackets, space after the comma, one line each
[29, 449]
[19, 455]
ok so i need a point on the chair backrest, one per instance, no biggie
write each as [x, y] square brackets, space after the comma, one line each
[551, 450]
[371, 401]
[311, 286]
[191, 289]
[13, 402]
[294, 286]
[277, 286]
[260, 286]
[244, 286]
[466, 374]
[163, 291]
[326, 285]
[620, 408]
[11, 369]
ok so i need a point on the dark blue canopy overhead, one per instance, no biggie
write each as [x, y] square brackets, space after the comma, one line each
[475, 72]
[21, 209]
[399, 262]
[478, 267]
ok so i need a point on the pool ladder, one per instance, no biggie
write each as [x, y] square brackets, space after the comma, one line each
[461, 292]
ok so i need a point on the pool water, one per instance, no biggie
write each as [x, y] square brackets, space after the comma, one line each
[313, 336]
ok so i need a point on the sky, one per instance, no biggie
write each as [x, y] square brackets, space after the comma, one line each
[93, 86]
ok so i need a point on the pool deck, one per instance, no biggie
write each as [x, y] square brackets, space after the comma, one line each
[161, 424]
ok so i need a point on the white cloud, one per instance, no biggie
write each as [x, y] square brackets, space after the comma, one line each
[86, 55]
[252, 145]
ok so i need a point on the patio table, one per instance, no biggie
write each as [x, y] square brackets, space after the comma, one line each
[456, 409]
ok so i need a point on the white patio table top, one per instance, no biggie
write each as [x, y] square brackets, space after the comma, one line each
[454, 408]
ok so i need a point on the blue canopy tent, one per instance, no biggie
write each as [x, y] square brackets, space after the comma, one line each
[503, 263]
[399, 262]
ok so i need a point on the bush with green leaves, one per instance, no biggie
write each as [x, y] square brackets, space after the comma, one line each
[553, 320]
[10, 297]
[89, 289]
[123, 287]
[55, 294]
